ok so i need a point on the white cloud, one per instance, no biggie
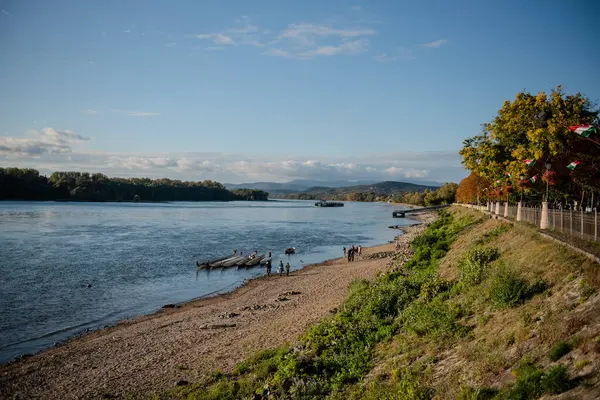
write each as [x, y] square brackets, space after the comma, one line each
[400, 53]
[214, 48]
[349, 47]
[143, 114]
[277, 53]
[90, 111]
[50, 150]
[127, 31]
[172, 44]
[302, 31]
[48, 140]
[136, 113]
[7, 13]
[356, 8]
[217, 38]
[435, 44]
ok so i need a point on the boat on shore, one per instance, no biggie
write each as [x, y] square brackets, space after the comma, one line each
[232, 261]
[324, 203]
[255, 261]
[221, 262]
[207, 263]
[242, 261]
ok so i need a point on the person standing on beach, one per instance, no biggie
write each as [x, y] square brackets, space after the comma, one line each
[268, 265]
[280, 269]
[287, 269]
[345, 251]
[359, 250]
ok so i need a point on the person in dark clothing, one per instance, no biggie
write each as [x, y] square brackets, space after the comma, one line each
[268, 265]
[345, 252]
[287, 269]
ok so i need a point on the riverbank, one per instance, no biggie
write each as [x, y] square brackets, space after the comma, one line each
[154, 352]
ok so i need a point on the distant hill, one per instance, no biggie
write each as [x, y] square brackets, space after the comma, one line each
[295, 186]
[359, 192]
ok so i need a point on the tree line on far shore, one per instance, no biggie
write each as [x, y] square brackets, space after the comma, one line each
[28, 184]
[426, 197]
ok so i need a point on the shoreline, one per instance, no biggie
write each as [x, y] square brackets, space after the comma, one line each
[187, 340]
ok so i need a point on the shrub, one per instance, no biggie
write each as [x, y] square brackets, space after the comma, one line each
[474, 266]
[507, 288]
[559, 351]
[533, 382]
[436, 318]
[556, 380]
[469, 393]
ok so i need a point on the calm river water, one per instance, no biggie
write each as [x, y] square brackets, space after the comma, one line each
[138, 257]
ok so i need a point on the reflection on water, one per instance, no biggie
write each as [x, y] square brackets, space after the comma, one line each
[69, 267]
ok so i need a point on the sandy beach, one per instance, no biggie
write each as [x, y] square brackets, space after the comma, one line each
[152, 353]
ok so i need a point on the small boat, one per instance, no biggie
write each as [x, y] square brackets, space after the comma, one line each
[323, 203]
[290, 250]
[220, 263]
[233, 261]
[206, 263]
[242, 261]
[265, 260]
[255, 261]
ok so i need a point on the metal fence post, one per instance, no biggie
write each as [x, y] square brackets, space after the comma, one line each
[571, 221]
[561, 219]
[596, 224]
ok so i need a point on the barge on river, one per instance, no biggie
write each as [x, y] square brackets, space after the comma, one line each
[323, 203]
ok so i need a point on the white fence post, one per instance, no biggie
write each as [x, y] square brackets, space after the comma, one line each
[506, 209]
[544, 216]
[497, 212]
[519, 210]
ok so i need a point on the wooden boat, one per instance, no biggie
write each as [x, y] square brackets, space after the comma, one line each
[206, 263]
[220, 263]
[323, 203]
[290, 250]
[265, 260]
[232, 261]
[255, 261]
[242, 261]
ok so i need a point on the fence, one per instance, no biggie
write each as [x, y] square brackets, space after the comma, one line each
[576, 223]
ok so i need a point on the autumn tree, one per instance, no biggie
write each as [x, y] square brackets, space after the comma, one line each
[535, 128]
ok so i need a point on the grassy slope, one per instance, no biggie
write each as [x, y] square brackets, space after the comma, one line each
[483, 310]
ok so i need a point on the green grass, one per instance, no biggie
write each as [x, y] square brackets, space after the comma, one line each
[533, 382]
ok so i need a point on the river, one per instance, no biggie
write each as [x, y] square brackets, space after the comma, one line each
[71, 267]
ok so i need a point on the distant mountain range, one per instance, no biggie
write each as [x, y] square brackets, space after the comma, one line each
[369, 192]
[307, 185]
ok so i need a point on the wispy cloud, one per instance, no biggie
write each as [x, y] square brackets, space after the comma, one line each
[349, 47]
[143, 114]
[217, 38]
[90, 111]
[400, 53]
[306, 32]
[172, 44]
[136, 113]
[214, 48]
[127, 31]
[356, 8]
[277, 53]
[7, 13]
[436, 43]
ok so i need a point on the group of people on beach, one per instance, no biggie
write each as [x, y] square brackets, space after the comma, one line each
[280, 269]
[352, 252]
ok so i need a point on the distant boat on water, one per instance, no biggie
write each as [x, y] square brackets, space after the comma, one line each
[323, 203]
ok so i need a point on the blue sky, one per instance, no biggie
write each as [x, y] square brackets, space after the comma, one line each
[275, 90]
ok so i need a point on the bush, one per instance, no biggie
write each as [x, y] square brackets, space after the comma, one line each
[436, 318]
[559, 351]
[533, 382]
[507, 288]
[556, 380]
[474, 266]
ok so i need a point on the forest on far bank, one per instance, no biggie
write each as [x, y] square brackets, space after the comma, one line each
[28, 184]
